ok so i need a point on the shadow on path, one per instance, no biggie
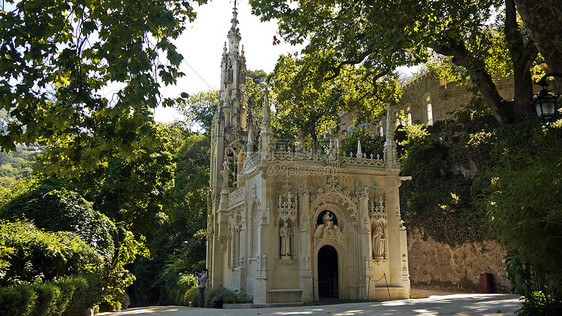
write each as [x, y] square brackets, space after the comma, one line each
[457, 304]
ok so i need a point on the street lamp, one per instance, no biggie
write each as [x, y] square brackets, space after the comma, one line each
[545, 101]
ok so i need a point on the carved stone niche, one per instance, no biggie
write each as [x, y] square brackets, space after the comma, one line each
[327, 227]
[379, 223]
[287, 214]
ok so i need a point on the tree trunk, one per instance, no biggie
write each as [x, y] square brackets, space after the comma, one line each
[543, 20]
[522, 56]
[500, 108]
[523, 53]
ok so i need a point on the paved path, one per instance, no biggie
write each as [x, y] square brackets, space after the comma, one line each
[457, 304]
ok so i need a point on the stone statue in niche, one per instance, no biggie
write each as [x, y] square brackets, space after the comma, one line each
[327, 228]
[377, 211]
[378, 240]
[287, 212]
[285, 235]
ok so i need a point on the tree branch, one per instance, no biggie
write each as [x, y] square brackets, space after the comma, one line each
[339, 67]
[482, 79]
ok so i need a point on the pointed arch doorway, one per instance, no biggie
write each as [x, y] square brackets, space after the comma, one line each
[328, 272]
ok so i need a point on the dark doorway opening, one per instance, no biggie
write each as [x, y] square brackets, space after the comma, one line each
[328, 272]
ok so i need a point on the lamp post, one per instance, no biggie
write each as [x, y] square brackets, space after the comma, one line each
[544, 102]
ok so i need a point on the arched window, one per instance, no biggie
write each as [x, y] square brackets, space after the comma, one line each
[235, 158]
[408, 110]
[429, 114]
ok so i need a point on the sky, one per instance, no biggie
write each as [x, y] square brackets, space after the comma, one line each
[202, 42]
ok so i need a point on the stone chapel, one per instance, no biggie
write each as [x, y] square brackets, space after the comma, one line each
[288, 224]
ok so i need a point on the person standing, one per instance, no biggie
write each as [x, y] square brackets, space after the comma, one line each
[202, 285]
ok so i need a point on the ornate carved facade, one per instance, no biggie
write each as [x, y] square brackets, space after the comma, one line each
[289, 224]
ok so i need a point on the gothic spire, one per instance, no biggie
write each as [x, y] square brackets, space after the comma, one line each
[266, 111]
[234, 28]
[266, 135]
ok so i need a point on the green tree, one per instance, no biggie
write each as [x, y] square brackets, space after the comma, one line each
[60, 57]
[199, 110]
[370, 143]
[180, 241]
[311, 104]
[542, 20]
[525, 206]
[55, 209]
[382, 35]
[131, 190]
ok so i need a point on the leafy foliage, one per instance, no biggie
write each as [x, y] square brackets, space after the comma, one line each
[370, 143]
[439, 199]
[56, 209]
[60, 57]
[483, 37]
[507, 191]
[309, 104]
[53, 208]
[34, 255]
[68, 296]
[180, 240]
[131, 190]
[525, 207]
[215, 297]
[199, 109]
[15, 165]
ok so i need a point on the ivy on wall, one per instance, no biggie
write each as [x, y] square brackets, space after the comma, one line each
[445, 197]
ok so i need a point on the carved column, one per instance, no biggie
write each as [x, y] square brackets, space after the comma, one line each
[305, 251]
[261, 285]
[242, 251]
[365, 245]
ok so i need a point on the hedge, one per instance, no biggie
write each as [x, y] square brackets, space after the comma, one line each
[67, 297]
[29, 255]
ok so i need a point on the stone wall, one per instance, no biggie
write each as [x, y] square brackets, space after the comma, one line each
[445, 98]
[438, 266]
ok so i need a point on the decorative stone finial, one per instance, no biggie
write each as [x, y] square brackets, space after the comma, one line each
[234, 21]
[266, 109]
[389, 145]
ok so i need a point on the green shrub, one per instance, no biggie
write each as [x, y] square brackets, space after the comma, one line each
[17, 301]
[37, 255]
[509, 190]
[191, 297]
[215, 297]
[53, 208]
[440, 200]
[67, 297]
[48, 299]
[86, 292]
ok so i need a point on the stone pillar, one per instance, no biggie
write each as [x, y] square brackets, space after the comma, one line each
[243, 254]
[261, 285]
[405, 273]
[303, 248]
[365, 243]
[396, 238]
